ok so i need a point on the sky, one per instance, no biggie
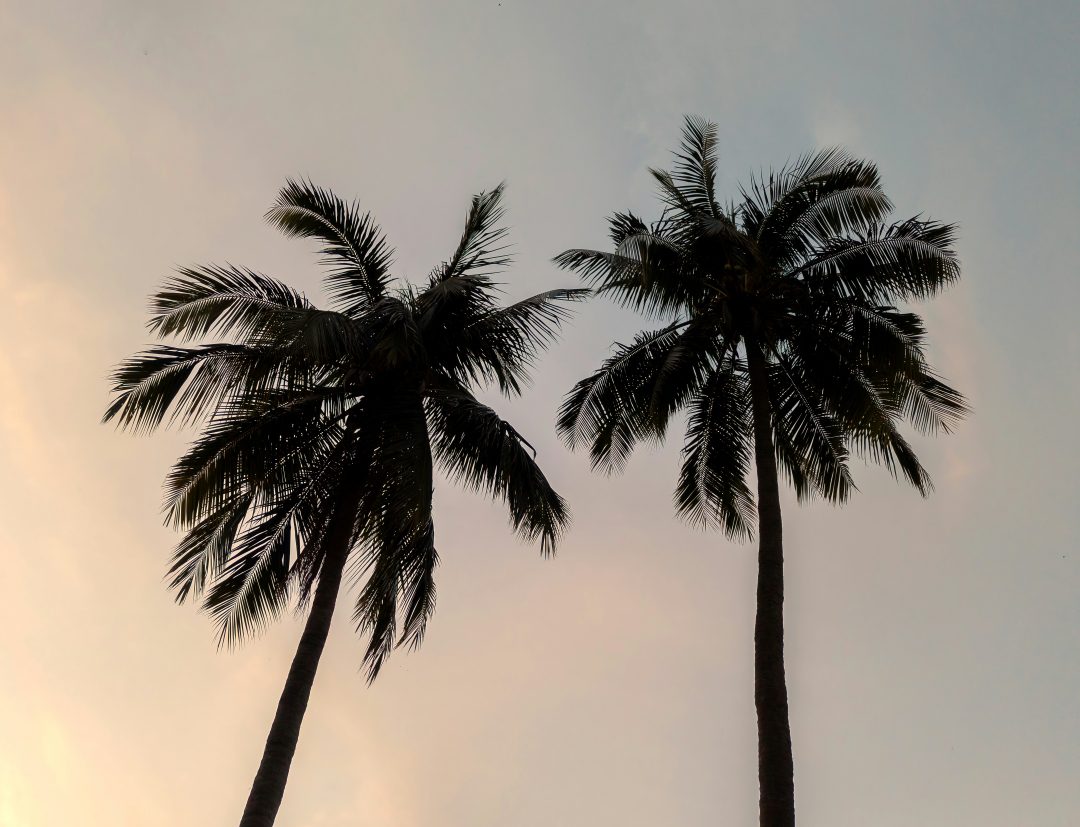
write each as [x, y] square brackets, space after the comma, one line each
[933, 644]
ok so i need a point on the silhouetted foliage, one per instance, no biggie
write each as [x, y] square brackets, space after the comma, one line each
[782, 340]
[320, 429]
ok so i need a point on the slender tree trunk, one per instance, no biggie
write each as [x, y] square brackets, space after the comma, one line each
[775, 769]
[269, 786]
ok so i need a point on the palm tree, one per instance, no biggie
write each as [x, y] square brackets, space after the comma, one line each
[782, 343]
[321, 430]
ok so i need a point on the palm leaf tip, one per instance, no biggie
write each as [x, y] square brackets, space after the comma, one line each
[538, 318]
[694, 175]
[481, 249]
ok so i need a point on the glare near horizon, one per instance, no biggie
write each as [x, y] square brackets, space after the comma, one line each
[933, 644]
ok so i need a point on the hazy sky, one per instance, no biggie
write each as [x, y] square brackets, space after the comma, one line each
[934, 645]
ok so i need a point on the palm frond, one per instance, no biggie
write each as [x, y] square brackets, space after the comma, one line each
[762, 198]
[909, 260]
[682, 370]
[833, 208]
[622, 225]
[396, 520]
[481, 249]
[712, 486]
[356, 251]
[611, 410]
[418, 590]
[251, 589]
[223, 300]
[203, 551]
[397, 338]
[534, 321]
[315, 338]
[866, 405]
[478, 448]
[694, 173]
[810, 439]
[376, 610]
[678, 202]
[186, 382]
[929, 404]
[889, 448]
[254, 443]
[504, 342]
[648, 273]
[885, 347]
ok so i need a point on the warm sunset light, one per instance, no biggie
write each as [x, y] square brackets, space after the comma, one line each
[414, 398]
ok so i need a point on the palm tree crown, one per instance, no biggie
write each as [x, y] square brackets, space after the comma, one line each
[803, 270]
[310, 415]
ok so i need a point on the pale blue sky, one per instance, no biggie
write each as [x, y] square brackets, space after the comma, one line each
[934, 645]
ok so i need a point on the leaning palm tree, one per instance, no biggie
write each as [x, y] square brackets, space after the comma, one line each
[782, 342]
[321, 429]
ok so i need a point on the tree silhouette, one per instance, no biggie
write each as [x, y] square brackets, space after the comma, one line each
[321, 429]
[783, 344]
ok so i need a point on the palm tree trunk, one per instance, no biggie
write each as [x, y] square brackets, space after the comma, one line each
[269, 785]
[776, 781]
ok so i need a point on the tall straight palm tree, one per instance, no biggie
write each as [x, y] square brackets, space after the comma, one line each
[321, 429]
[782, 342]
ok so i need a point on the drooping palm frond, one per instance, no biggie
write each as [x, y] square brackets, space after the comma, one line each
[418, 590]
[397, 597]
[887, 447]
[251, 444]
[611, 410]
[683, 369]
[811, 436]
[206, 547]
[712, 487]
[395, 523]
[886, 346]
[251, 589]
[930, 405]
[857, 400]
[478, 448]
